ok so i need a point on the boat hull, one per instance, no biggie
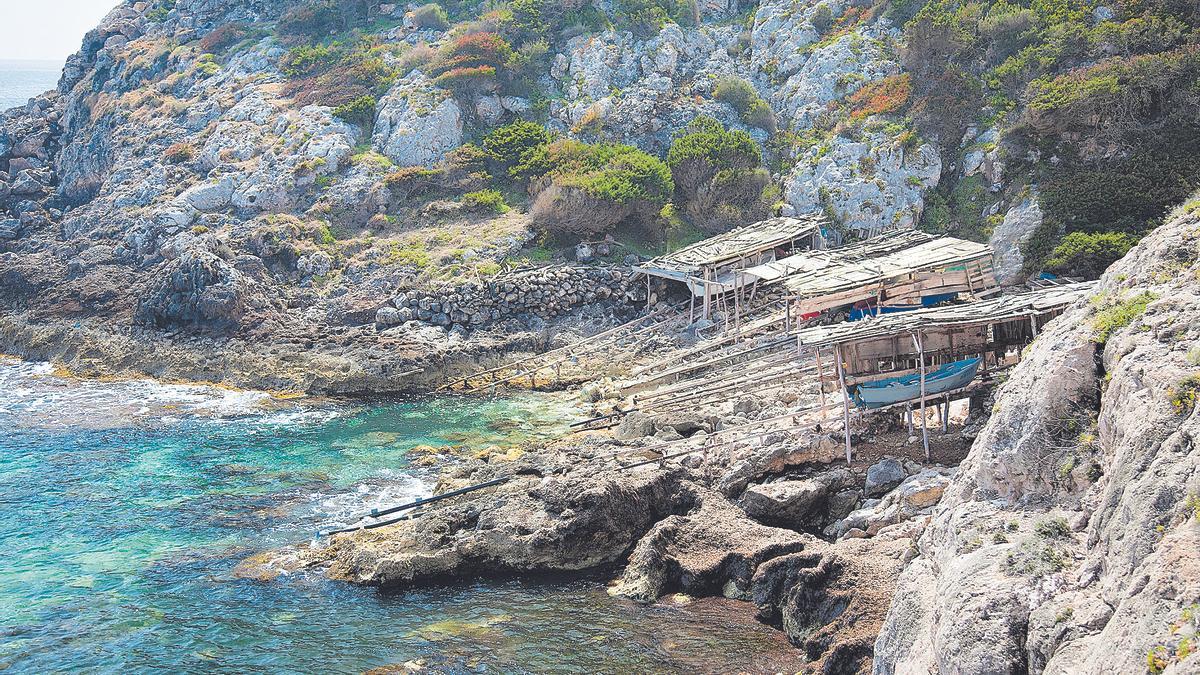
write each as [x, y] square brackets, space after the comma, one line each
[888, 391]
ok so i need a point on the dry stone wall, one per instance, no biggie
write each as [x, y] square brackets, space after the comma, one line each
[545, 293]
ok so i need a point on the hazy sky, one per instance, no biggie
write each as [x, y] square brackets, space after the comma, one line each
[47, 29]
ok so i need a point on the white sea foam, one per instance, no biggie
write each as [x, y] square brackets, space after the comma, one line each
[33, 396]
[345, 508]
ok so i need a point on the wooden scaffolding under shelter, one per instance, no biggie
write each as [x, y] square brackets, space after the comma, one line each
[910, 343]
[714, 267]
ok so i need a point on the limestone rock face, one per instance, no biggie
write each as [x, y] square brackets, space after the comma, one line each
[1078, 484]
[1019, 224]
[416, 124]
[872, 185]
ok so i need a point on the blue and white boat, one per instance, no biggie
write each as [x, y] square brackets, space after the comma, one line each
[879, 393]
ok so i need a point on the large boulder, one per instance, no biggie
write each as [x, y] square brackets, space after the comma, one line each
[883, 476]
[417, 123]
[809, 503]
[714, 549]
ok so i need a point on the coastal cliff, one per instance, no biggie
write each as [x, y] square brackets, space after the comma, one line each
[262, 192]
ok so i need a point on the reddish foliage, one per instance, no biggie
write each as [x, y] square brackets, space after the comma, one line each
[881, 97]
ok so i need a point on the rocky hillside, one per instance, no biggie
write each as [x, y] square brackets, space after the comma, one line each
[287, 177]
[1069, 542]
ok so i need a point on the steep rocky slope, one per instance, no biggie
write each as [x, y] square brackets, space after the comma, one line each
[274, 173]
[1070, 540]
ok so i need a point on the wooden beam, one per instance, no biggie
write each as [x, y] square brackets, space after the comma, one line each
[846, 401]
[924, 424]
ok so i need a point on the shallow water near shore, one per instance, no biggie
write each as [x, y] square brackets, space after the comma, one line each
[125, 506]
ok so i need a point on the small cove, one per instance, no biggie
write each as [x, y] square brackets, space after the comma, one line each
[125, 506]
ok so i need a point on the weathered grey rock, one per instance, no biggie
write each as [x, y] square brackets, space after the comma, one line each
[1019, 224]
[993, 565]
[807, 504]
[883, 476]
[712, 549]
[633, 426]
[417, 123]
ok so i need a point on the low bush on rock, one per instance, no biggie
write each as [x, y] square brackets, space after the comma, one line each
[471, 62]
[742, 96]
[360, 111]
[178, 153]
[585, 189]
[316, 19]
[225, 36]
[430, 16]
[341, 72]
[1116, 315]
[485, 201]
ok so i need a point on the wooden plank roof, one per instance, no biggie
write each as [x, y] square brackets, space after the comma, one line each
[995, 310]
[811, 261]
[830, 274]
[735, 244]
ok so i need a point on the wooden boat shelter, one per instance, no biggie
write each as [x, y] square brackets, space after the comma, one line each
[901, 270]
[907, 343]
[716, 266]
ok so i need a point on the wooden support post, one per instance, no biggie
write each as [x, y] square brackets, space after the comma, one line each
[647, 292]
[908, 416]
[946, 415]
[846, 400]
[691, 307]
[820, 374]
[924, 420]
[707, 296]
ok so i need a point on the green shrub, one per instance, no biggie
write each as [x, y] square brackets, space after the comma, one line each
[1089, 254]
[591, 188]
[1053, 528]
[471, 59]
[485, 200]
[647, 17]
[1117, 315]
[431, 16]
[719, 180]
[511, 146]
[1183, 394]
[360, 111]
[316, 19]
[741, 95]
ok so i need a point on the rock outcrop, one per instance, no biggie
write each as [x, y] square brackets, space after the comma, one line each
[1069, 541]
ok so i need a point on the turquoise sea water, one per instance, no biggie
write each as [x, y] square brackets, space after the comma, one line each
[22, 80]
[124, 508]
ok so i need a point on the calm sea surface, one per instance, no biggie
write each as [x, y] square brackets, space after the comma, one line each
[124, 508]
[22, 80]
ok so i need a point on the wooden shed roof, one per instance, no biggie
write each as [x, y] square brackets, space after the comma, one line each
[995, 310]
[810, 261]
[834, 273]
[735, 244]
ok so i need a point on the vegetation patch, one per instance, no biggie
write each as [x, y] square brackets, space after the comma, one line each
[742, 96]
[1117, 315]
[718, 176]
[1182, 395]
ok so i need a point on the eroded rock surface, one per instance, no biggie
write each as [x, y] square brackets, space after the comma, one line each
[1074, 500]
